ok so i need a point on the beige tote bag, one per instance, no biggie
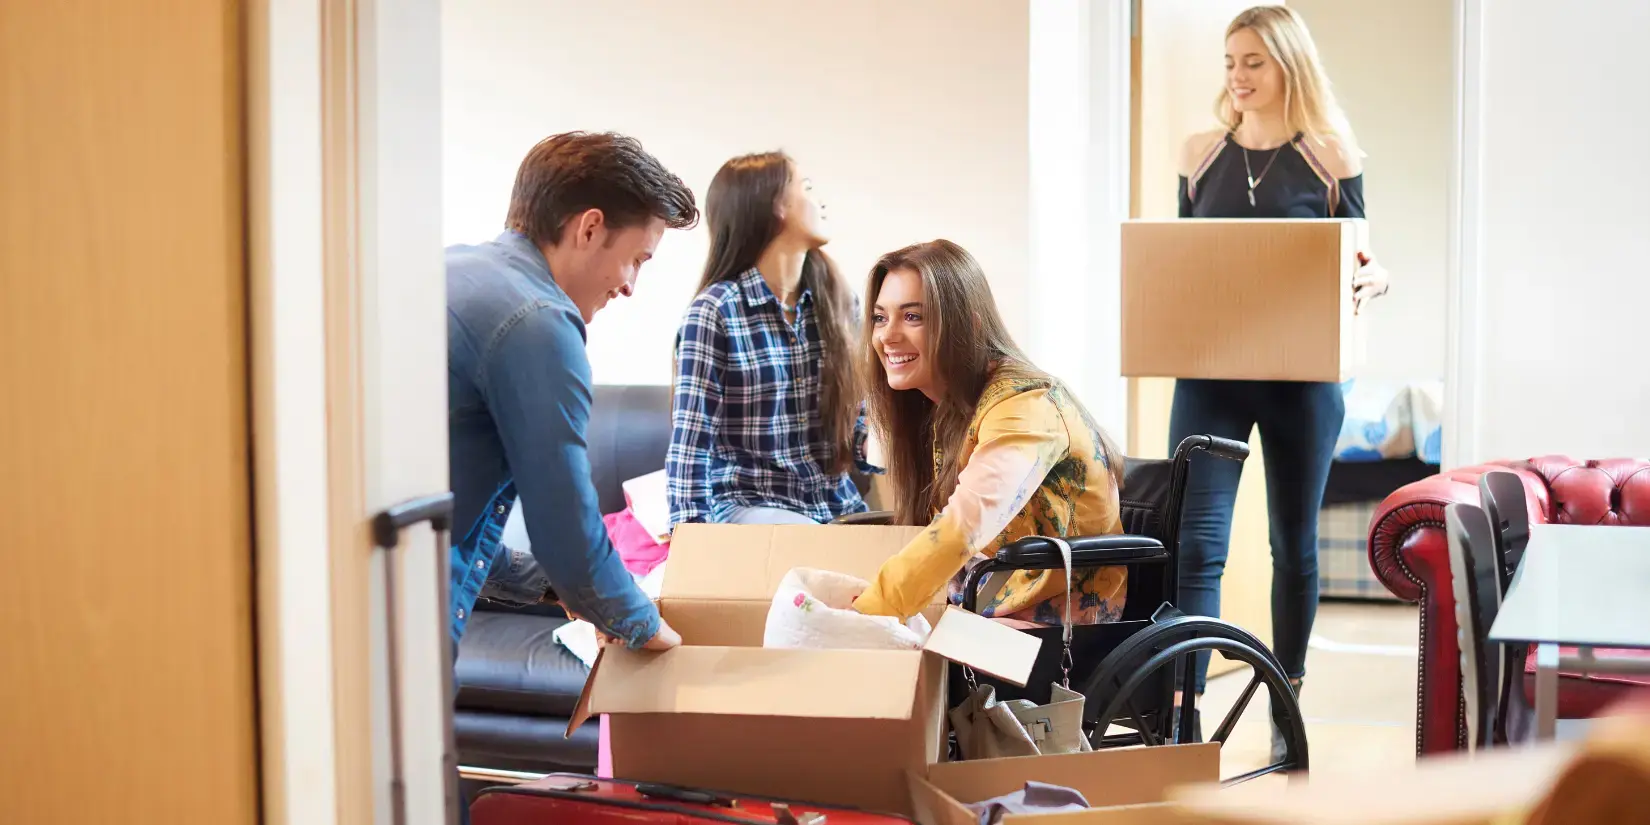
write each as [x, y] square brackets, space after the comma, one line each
[989, 729]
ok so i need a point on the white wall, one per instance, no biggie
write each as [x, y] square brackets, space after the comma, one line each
[1566, 126]
[910, 117]
[1401, 110]
[1181, 71]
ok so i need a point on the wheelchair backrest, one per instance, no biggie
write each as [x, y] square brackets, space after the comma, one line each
[1147, 496]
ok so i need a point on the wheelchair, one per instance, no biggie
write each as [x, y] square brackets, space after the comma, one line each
[1128, 670]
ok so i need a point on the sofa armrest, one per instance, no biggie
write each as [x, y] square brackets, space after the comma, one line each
[1409, 553]
[1411, 520]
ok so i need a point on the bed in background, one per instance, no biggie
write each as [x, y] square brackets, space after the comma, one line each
[1392, 436]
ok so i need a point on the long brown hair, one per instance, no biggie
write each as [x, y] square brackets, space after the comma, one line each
[741, 213]
[968, 346]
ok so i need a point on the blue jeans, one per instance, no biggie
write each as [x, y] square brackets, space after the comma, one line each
[1299, 424]
[767, 515]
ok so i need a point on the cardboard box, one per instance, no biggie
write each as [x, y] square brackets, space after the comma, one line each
[1488, 788]
[1241, 299]
[1125, 786]
[829, 726]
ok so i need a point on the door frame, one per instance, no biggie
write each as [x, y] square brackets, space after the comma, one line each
[1463, 311]
[349, 379]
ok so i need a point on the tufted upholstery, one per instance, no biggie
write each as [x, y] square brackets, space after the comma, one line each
[1410, 555]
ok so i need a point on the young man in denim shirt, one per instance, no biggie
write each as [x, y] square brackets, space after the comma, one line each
[587, 211]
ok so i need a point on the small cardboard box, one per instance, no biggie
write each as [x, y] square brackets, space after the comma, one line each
[1124, 786]
[1241, 299]
[827, 726]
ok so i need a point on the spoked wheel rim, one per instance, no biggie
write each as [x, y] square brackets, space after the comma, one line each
[1113, 689]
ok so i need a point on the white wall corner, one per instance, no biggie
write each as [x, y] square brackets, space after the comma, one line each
[1078, 121]
[1464, 359]
[1111, 24]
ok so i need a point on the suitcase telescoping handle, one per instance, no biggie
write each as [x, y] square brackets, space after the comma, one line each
[387, 527]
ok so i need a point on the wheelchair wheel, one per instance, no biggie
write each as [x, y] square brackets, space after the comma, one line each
[1147, 662]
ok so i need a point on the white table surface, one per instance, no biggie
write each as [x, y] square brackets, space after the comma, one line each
[1587, 586]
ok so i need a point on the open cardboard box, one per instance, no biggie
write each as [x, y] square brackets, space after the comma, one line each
[1124, 786]
[827, 726]
[1247, 299]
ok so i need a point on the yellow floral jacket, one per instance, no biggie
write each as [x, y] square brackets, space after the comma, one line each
[1033, 466]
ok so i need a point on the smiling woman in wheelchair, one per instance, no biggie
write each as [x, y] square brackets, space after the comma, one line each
[983, 448]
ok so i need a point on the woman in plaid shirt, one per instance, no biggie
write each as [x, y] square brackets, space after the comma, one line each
[768, 417]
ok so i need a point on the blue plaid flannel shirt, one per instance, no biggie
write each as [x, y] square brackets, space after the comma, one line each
[746, 427]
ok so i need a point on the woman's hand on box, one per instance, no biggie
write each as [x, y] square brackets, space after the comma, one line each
[1371, 281]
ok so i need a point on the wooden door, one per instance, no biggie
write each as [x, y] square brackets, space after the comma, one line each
[125, 523]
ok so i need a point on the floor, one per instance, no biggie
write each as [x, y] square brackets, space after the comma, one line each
[1359, 696]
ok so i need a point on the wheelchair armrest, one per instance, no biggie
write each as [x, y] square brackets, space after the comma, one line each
[1038, 553]
[880, 518]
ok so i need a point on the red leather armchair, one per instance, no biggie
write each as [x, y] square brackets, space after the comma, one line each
[1410, 555]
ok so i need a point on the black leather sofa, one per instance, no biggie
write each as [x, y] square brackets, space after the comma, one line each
[516, 686]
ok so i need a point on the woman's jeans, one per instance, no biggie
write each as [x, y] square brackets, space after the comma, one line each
[767, 515]
[1299, 424]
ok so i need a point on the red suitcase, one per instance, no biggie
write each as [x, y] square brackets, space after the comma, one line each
[574, 798]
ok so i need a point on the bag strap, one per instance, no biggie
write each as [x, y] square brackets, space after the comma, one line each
[1065, 625]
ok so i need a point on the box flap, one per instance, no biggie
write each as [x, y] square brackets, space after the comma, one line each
[1113, 776]
[1153, 813]
[745, 681]
[931, 806]
[985, 645]
[746, 562]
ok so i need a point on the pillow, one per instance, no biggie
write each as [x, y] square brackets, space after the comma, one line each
[814, 609]
[1426, 406]
[1377, 426]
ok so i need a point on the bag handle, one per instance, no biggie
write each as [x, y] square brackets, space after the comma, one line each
[1065, 625]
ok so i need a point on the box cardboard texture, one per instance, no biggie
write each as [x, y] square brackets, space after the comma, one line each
[1492, 787]
[1252, 299]
[826, 726]
[1124, 786]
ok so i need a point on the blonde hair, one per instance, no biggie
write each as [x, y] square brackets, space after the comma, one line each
[1309, 104]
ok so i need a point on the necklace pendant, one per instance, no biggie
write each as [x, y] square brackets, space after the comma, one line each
[1251, 197]
[1251, 181]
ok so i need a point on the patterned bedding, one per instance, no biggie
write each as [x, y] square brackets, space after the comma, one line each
[1391, 419]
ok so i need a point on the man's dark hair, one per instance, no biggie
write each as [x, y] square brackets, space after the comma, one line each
[566, 174]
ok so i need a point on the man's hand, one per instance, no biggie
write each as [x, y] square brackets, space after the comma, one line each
[665, 639]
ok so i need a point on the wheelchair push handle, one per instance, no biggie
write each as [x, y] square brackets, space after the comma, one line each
[1215, 445]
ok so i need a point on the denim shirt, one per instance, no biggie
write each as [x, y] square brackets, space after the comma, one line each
[518, 403]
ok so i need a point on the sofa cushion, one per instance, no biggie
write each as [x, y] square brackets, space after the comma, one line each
[523, 743]
[510, 663]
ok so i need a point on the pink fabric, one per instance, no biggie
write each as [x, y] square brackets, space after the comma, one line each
[639, 551]
[604, 751]
[640, 554]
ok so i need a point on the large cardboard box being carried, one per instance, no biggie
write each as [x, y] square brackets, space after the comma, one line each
[829, 726]
[1123, 786]
[1241, 299]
